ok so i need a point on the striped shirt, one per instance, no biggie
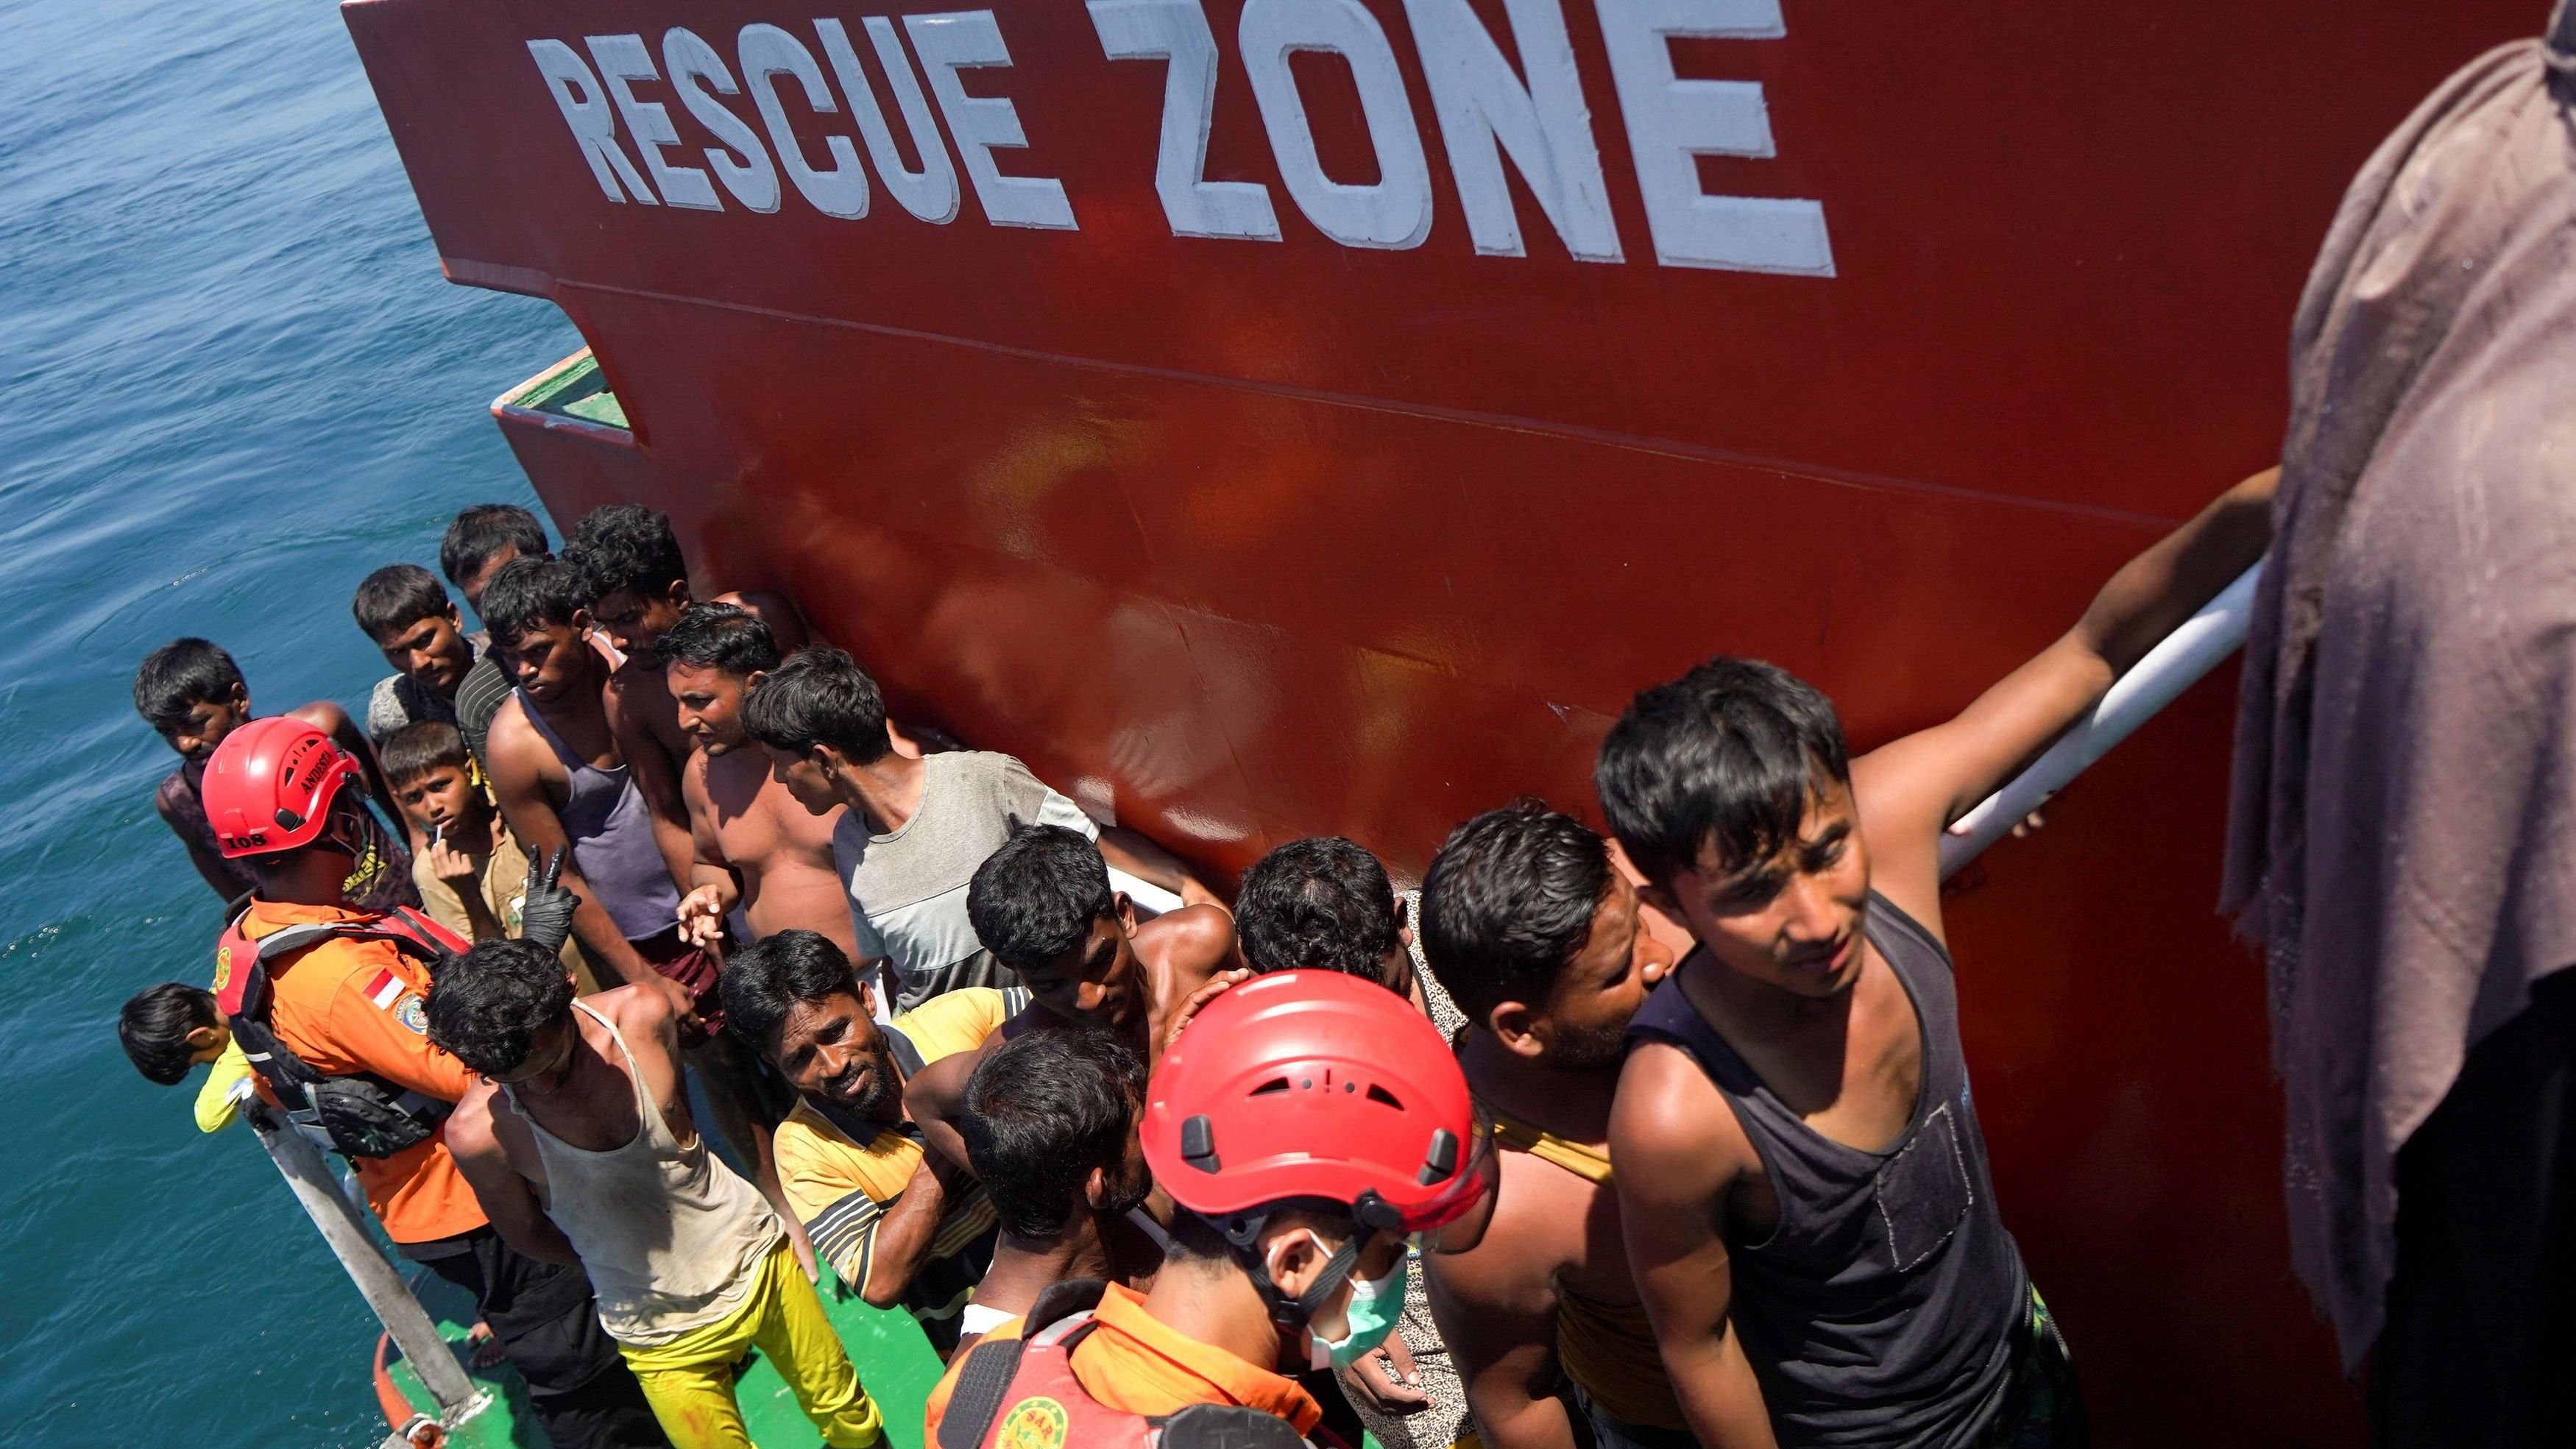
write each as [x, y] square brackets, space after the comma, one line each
[842, 1189]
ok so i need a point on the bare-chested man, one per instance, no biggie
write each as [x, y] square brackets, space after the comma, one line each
[755, 846]
[1802, 1180]
[639, 586]
[1043, 906]
[1541, 943]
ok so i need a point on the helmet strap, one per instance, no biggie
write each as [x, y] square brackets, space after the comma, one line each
[1289, 1316]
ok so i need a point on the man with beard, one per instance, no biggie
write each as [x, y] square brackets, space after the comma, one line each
[899, 1225]
[756, 848]
[1042, 904]
[1539, 940]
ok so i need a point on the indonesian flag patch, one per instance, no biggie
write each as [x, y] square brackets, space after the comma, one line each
[385, 989]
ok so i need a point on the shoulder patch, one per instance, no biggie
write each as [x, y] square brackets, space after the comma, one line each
[413, 1013]
[1034, 1423]
[223, 968]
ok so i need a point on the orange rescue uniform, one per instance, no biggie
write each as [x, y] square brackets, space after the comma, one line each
[1132, 1361]
[356, 1006]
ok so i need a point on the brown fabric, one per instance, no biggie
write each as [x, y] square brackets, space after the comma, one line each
[2402, 838]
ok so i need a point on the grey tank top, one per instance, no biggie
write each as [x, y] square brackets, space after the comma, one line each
[1881, 1310]
[672, 1237]
[611, 831]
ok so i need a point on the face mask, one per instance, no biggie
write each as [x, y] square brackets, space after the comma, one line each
[1376, 1303]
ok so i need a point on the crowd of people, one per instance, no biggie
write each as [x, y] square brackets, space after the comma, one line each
[1672, 1124]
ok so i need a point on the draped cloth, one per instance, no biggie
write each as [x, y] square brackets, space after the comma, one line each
[2402, 832]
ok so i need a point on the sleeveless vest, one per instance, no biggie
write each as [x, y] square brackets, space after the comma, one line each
[1881, 1309]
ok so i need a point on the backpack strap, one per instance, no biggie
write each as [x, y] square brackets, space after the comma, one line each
[1224, 1426]
[982, 1385]
[1060, 1318]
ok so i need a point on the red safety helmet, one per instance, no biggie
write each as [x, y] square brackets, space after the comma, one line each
[270, 786]
[1316, 1086]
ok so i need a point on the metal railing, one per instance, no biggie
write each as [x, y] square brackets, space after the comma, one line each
[2174, 665]
[315, 1186]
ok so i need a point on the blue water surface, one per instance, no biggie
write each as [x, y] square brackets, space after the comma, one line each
[231, 383]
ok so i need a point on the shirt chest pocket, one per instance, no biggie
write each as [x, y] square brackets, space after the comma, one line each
[1923, 1192]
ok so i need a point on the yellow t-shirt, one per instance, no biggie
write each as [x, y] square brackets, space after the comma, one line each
[226, 1087]
[841, 1189]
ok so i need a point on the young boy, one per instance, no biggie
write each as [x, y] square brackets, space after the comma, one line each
[406, 613]
[483, 537]
[167, 1029]
[472, 875]
[194, 695]
[1801, 1177]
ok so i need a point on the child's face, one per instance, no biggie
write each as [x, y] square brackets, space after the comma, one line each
[442, 796]
[205, 1043]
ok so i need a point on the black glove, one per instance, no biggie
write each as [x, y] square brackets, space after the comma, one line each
[545, 914]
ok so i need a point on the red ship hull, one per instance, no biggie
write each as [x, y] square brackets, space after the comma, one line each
[1374, 525]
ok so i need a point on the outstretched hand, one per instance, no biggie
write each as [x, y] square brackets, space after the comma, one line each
[1217, 986]
[545, 914]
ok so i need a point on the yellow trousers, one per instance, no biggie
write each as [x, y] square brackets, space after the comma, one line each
[689, 1381]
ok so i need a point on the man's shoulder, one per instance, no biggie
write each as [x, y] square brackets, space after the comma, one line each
[387, 710]
[1192, 942]
[810, 1149]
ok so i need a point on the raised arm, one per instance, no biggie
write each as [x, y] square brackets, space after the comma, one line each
[516, 758]
[508, 1198]
[935, 1097]
[1678, 1154]
[1126, 850]
[1909, 790]
[1497, 1314]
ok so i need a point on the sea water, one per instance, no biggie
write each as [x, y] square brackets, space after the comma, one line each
[232, 382]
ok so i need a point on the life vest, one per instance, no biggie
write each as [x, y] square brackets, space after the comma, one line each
[357, 1115]
[1021, 1394]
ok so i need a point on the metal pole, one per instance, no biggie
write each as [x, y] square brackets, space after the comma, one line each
[2174, 665]
[315, 1186]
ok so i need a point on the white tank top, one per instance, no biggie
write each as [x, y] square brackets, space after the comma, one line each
[672, 1237]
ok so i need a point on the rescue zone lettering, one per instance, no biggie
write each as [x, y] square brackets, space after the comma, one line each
[1536, 115]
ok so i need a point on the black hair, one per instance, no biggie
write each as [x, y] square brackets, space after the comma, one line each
[487, 1006]
[418, 748]
[720, 636]
[528, 592]
[818, 696]
[1508, 902]
[1041, 1113]
[1729, 755]
[1321, 903]
[764, 980]
[1036, 897]
[626, 546]
[181, 673]
[483, 530]
[153, 1028]
[395, 597]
